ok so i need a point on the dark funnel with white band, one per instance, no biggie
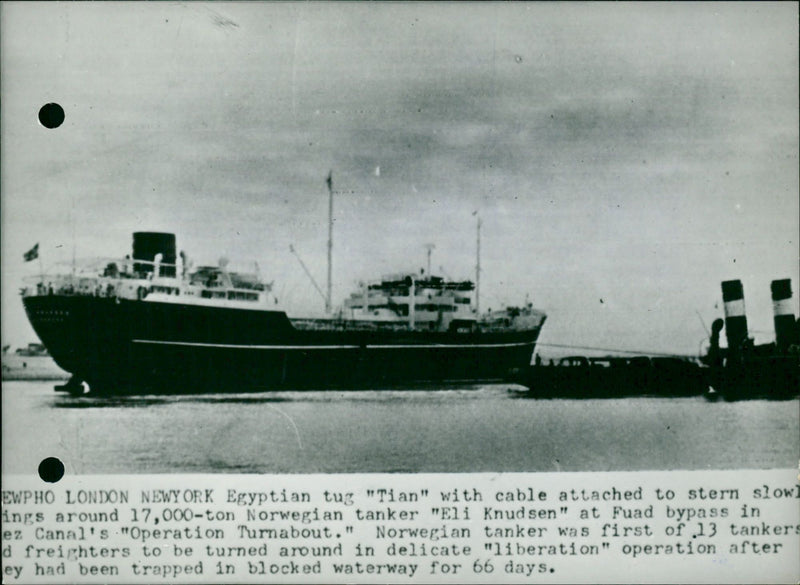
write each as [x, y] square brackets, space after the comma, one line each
[735, 319]
[783, 312]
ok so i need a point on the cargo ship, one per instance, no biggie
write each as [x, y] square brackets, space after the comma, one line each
[151, 323]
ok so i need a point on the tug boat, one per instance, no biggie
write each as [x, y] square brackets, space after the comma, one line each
[150, 323]
[745, 370]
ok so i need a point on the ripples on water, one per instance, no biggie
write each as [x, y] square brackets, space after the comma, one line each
[480, 428]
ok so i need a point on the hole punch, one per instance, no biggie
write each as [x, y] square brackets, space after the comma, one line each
[51, 469]
[51, 115]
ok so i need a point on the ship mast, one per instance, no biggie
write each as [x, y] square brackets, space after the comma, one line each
[329, 182]
[478, 268]
[72, 217]
[412, 306]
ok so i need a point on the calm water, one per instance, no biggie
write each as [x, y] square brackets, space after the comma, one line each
[485, 428]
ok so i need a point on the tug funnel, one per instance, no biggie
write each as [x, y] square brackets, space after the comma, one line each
[783, 312]
[735, 318]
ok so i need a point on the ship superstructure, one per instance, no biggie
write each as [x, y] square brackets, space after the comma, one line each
[422, 302]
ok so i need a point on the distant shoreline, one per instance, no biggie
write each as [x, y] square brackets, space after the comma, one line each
[13, 377]
[31, 368]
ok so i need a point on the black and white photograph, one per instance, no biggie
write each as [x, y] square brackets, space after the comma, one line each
[293, 238]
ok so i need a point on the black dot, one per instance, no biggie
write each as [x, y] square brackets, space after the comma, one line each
[51, 115]
[51, 469]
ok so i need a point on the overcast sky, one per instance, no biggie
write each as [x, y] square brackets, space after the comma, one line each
[634, 153]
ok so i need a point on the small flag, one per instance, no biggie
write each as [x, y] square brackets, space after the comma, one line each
[32, 254]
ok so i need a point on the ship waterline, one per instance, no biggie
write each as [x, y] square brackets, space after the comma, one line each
[122, 346]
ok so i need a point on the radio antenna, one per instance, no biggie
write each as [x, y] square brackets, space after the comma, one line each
[429, 248]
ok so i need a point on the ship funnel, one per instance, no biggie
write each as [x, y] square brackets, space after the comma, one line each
[783, 312]
[146, 245]
[735, 318]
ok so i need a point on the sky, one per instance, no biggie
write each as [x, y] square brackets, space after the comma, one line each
[624, 159]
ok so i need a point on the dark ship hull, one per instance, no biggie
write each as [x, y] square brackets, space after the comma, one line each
[770, 378]
[123, 346]
[617, 378]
